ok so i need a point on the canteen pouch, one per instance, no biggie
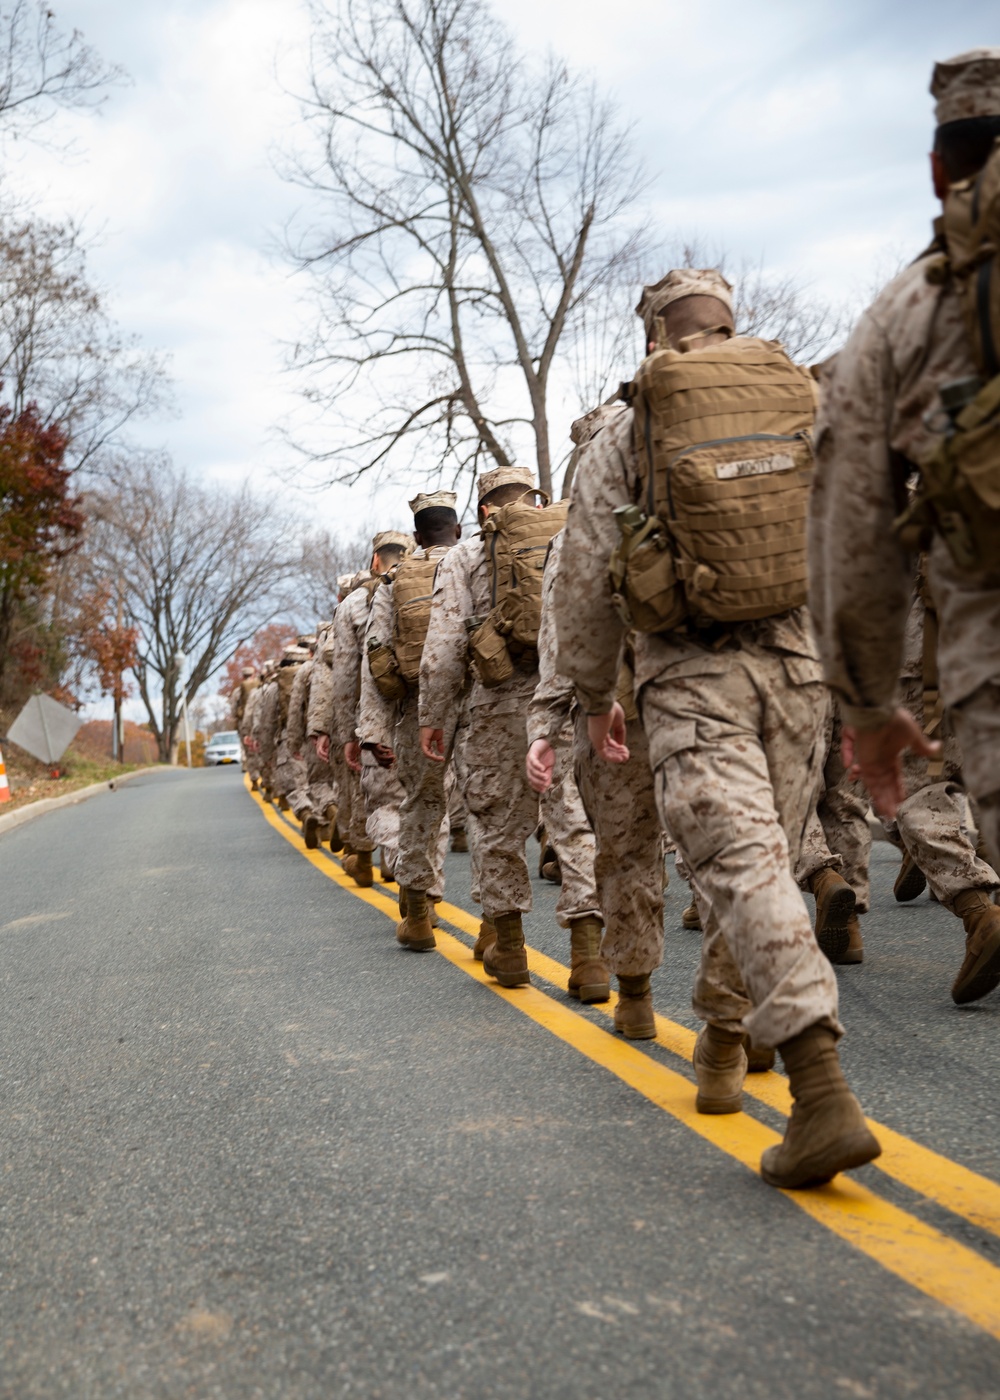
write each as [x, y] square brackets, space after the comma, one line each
[644, 585]
[488, 649]
[385, 671]
[959, 491]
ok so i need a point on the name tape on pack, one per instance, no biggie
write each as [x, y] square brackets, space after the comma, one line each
[755, 466]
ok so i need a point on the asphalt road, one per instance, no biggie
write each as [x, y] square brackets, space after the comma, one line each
[251, 1148]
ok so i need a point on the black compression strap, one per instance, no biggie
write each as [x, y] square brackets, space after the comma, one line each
[990, 363]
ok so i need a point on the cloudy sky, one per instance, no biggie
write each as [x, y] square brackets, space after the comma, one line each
[795, 133]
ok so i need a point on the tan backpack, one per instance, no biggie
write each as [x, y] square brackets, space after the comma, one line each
[722, 435]
[411, 605]
[517, 539]
[959, 492]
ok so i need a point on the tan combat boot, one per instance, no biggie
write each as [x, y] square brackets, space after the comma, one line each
[487, 937]
[980, 970]
[282, 803]
[359, 866]
[634, 1016]
[336, 840]
[310, 832]
[385, 871]
[910, 882]
[855, 946]
[459, 840]
[507, 958]
[720, 1064]
[415, 931]
[835, 903]
[759, 1060]
[254, 785]
[691, 918]
[589, 979]
[827, 1132]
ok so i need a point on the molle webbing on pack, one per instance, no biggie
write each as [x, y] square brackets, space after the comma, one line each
[722, 435]
[412, 587]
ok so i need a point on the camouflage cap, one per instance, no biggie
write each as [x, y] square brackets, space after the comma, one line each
[683, 282]
[247, 671]
[293, 654]
[343, 582]
[967, 85]
[505, 476]
[583, 429]
[396, 537]
[426, 500]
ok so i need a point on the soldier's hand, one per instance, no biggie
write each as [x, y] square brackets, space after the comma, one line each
[322, 746]
[539, 764]
[432, 743]
[352, 756]
[875, 756]
[384, 756]
[607, 734]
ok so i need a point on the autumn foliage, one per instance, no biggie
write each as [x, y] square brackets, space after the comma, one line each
[40, 523]
[265, 643]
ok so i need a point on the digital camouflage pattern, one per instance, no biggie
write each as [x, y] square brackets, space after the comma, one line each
[423, 823]
[871, 426]
[503, 810]
[736, 728]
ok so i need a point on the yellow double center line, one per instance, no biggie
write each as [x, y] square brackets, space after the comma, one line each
[924, 1257]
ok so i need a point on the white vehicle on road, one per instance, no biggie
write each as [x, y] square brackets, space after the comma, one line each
[223, 748]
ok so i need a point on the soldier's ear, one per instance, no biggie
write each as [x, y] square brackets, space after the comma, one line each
[939, 176]
[458, 532]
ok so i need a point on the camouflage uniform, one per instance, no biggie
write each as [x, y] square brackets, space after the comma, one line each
[618, 803]
[503, 809]
[931, 823]
[266, 720]
[909, 343]
[837, 833]
[423, 811]
[348, 634]
[736, 726]
[295, 735]
[318, 721]
[244, 727]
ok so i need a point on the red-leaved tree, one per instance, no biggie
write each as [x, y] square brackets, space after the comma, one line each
[263, 644]
[40, 523]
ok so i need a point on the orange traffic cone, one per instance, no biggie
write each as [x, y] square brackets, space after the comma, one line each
[4, 784]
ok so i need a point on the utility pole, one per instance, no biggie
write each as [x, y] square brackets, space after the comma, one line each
[180, 660]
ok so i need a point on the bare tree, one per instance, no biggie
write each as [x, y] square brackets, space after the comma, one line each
[60, 350]
[199, 569]
[43, 67]
[777, 306]
[324, 558]
[476, 206]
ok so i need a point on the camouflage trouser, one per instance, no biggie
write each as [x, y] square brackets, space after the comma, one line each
[382, 796]
[743, 750]
[931, 824]
[319, 775]
[620, 802]
[503, 809]
[568, 831]
[837, 832]
[461, 769]
[290, 778]
[456, 806]
[423, 811]
[351, 814]
[977, 726]
[251, 761]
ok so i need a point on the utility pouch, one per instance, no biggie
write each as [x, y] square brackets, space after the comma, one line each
[644, 585]
[959, 492]
[385, 670]
[488, 649]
